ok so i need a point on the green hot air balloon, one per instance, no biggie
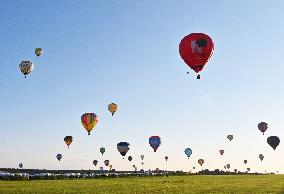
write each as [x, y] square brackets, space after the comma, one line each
[102, 150]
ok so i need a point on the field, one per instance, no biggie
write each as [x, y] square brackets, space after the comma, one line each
[206, 184]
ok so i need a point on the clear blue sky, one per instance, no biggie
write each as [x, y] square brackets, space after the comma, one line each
[97, 52]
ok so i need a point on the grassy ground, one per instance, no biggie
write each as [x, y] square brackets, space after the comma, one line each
[245, 184]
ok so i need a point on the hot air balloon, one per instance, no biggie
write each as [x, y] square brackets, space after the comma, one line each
[106, 162]
[155, 142]
[95, 162]
[21, 165]
[129, 158]
[245, 161]
[262, 127]
[188, 152]
[228, 166]
[221, 152]
[38, 51]
[26, 67]
[59, 156]
[273, 141]
[142, 163]
[200, 162]
[142, 157]
[193, 167]
[248, 169]
[196, 49]
[225, 167]
[166, 158]
[112, 107]
[261, 157]
[89, 121]
[230, 137]
[236, 170]
[102, 150]
[68, 140]
[110, 167]
[123, 148]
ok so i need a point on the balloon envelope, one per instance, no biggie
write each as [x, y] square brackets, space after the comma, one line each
[200, 162]
[95, 162]
[89, 121]
[166, 158]
[68, 140]
[261, 157]
[26, 67]
[262, 127]
[155, 142]
[102, 150]
[21, 165]
[106, 162]
[123, 148]
[112, 107]
[188, 152]
[273, 141]
[59, 156]
[196, 49]
[230, 137]
[38, 51]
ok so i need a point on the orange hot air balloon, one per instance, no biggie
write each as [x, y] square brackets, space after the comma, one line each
[89, 121]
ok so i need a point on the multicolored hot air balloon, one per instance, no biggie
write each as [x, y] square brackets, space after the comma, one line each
[188, 152]
[26, 67]
[196, 49]
[200, 162]
[21, 165]
[230, 137]
[155, 142]
[221, 152]
[68, 140]
[95, 162]
[38, 51]
[106, 162]
[102, 150]
[245, 161]
[166, 158]
[129, 158]
[273, 141]
[112, 107]
[123, 148]
[142, 157]
[59, 156]
[89, 121]
[261, 157]
[262, 127]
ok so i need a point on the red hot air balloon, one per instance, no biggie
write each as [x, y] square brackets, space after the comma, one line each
[196, 49]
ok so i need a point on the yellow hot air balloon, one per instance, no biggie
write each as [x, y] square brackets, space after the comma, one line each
[38, 51]
[89, 121]
[68, 140]
[112, 107]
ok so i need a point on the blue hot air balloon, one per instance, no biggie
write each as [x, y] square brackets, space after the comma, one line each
[59, 156]
[188, 152]
[155, 142]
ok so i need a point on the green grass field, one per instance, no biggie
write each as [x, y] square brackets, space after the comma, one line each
[173, 184]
